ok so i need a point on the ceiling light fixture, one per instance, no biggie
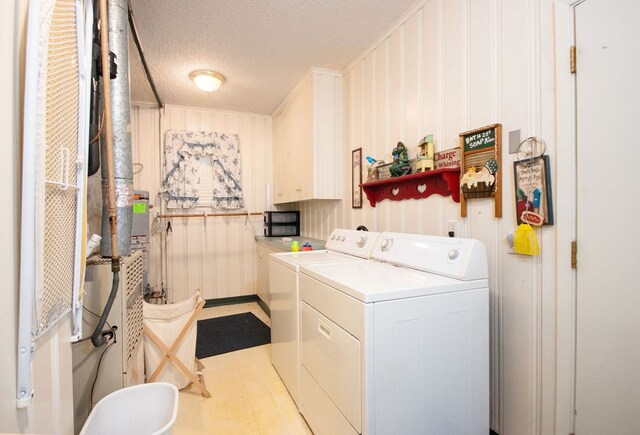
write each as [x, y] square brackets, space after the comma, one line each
[208, 81]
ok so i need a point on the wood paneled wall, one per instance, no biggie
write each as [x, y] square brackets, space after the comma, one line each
[445, 67]
[216, 255]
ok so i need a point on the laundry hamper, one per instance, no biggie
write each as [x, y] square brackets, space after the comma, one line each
[170, 343]
[146, 409]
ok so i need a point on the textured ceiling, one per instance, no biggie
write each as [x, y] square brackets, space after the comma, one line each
[262, 47]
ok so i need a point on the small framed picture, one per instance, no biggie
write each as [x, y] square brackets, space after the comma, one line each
[356, 178]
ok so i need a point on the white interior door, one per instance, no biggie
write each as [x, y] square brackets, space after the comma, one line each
[608, 207]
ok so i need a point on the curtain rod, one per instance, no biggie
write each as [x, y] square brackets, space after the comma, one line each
[203, 214]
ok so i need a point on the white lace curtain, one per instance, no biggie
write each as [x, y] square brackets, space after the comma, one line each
[182, 153]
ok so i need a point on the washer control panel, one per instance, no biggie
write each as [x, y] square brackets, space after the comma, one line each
[454, 257]
[358, 243]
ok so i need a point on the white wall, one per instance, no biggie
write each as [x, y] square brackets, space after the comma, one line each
[51, 411]
[9, 195]
[448, 66]
[437, 71]
[445, 67]
[216, 255]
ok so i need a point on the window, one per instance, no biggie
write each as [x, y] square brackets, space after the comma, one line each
[205, 187]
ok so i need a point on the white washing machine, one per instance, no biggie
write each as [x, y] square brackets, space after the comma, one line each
[398, 344]
[343, 246]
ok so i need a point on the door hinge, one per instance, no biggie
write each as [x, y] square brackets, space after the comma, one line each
[572, 59]
[574, 254]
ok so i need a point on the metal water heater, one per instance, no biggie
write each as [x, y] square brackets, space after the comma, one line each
[140, 231]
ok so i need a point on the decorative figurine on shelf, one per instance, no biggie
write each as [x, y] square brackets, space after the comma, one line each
[372, 170]
[400, 164]
[424, 160]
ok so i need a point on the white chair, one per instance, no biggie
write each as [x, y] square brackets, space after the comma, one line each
[172, 332]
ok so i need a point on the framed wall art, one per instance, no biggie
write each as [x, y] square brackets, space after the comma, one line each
[481, 160]
[356, 178]
[534, 204]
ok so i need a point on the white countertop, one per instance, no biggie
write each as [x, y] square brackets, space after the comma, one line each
[280, 245]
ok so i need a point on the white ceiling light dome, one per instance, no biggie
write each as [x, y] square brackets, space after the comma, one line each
[208, 81]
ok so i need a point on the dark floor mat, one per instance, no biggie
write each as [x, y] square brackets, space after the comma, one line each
[229, 333]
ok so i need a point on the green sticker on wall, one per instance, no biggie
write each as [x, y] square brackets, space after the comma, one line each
[139, 207]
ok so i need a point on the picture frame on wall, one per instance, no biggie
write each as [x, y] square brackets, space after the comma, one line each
[356, 178]
[534, 204]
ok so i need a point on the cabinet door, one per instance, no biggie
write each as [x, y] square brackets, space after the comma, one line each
[302, 142]
[287, 160]
[290, 165]
[293, 148]
[262, 279]
[307, 142]
[279, 154]
[287, 163]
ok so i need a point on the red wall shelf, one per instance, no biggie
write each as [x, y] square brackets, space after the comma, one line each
[444, 182]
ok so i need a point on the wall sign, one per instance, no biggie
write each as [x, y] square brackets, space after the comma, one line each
[533, 191]
[447, 158]
[479, 139]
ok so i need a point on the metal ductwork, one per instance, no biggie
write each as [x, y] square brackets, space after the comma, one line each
[121, 115]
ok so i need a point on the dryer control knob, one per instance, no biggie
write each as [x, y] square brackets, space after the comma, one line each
[453, 254]
[333, 236]
[361, 241]
[385, 245]
[343, 238]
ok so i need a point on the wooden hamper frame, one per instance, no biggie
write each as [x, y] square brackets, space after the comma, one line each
[170, 353]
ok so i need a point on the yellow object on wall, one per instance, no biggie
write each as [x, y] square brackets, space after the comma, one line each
[525, 240]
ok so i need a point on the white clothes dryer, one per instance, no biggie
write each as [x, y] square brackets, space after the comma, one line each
[343, 246]
[398, 344]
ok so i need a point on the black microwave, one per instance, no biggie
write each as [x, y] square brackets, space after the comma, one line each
[281, 223]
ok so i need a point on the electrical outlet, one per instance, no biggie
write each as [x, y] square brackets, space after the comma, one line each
[452, 227]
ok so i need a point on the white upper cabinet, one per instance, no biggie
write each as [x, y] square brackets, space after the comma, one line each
[307, 140]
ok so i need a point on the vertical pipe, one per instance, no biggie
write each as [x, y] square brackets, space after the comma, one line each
[99, 337]
[120, 101]
[93, 160]
[110, 181]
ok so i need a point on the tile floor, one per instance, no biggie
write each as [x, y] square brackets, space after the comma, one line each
[248, 396]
